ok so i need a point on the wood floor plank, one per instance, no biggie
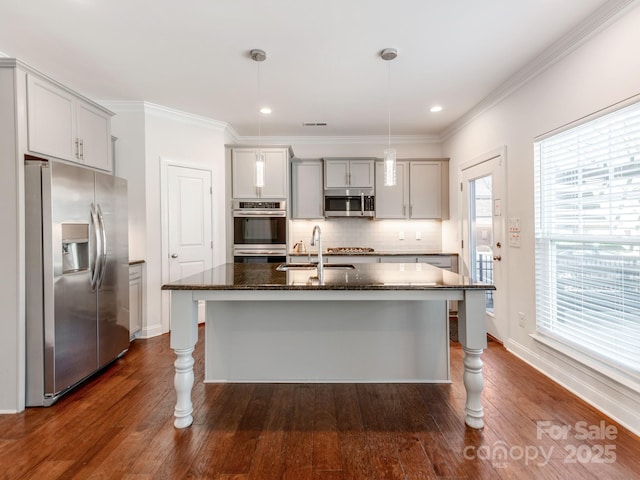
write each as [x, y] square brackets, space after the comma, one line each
[325, 443]
[298, 449]
[120, 425]
[244, 442]
[354, 449]
[384, 455]
[268, 458]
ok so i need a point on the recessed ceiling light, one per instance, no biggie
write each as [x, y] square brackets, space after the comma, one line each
[435, 109]
[265, 110]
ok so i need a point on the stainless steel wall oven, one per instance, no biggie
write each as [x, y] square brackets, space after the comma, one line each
[259, 231]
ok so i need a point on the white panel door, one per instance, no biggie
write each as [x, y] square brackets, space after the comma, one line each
[189, 205]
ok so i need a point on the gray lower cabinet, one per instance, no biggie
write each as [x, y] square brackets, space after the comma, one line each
[446, 261]
[136, 276]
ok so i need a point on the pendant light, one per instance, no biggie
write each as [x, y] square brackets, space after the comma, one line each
[389, 54]
[258, 56]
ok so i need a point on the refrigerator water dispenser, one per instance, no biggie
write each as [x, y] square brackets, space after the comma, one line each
[75, 247]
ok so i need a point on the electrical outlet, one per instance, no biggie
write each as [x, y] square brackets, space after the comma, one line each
[400, 235]
[522, 319]
[418, 235]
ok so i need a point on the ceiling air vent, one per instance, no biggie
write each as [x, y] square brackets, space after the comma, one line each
[314, 124]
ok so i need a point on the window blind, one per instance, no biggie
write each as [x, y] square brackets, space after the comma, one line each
[587, 237]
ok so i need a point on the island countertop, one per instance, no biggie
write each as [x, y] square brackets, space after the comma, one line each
[368, 276]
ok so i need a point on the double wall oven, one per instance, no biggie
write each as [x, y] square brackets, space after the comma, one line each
[259, 231]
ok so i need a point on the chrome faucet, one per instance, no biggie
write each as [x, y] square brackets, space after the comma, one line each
[316, 236]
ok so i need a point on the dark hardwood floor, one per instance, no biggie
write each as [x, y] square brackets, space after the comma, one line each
[119, 425]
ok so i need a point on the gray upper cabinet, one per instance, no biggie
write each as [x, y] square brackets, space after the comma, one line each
[306, 189]
[348, 173]
[421, 191]
[63, 125]
[243, 172]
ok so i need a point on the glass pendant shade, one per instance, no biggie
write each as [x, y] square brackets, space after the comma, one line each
[259, 178]
[389, 167]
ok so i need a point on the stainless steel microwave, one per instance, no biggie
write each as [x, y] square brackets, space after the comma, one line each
[349, 203]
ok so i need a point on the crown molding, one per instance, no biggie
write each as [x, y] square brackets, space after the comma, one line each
[602, 18]
[338, 139]
[139, 106]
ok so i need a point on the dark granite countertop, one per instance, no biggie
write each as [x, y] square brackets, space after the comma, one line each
[367, 276]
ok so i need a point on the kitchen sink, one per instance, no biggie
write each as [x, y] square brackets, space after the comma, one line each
[283, 267]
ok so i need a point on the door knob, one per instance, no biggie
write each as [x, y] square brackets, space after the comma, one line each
[174, 255]
[497, 258]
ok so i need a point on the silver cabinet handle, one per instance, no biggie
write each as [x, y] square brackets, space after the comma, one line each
[174, 255]
[81, 149]
[78, 148]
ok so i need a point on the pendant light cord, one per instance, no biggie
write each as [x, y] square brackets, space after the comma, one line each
[258, 104]
[389, 101]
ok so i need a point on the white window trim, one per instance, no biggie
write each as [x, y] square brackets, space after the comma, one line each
[595, 362]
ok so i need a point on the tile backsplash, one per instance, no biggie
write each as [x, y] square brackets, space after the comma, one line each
[381, 235]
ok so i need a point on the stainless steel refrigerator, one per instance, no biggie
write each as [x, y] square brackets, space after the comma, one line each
[77, 274]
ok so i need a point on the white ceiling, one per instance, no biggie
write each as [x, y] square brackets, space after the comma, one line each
[323, 60]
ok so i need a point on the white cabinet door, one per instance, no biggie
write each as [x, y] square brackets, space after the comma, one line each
[51, 119]
[243, 164]
[275, 183]
[425, 190]
[361, 173]
[306, 185]
[392, 201]
[348, 173]
[64, 126]
[94, 136]
[135, 299]
[336, 173]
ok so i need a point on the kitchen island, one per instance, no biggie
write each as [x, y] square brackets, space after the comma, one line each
[304, 328]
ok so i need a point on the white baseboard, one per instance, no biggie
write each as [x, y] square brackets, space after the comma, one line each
[150, 331]
[610, 397]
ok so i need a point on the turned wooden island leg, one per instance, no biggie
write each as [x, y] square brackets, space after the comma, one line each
[183, 383]
[184, 335]
[473, 384]
[472, 333]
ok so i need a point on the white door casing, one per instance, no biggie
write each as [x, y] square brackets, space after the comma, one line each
[491, 164]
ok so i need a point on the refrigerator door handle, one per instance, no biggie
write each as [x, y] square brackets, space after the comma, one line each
[103, 250]
[97, 247]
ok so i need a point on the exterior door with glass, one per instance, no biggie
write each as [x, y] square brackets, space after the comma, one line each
[483, 249]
